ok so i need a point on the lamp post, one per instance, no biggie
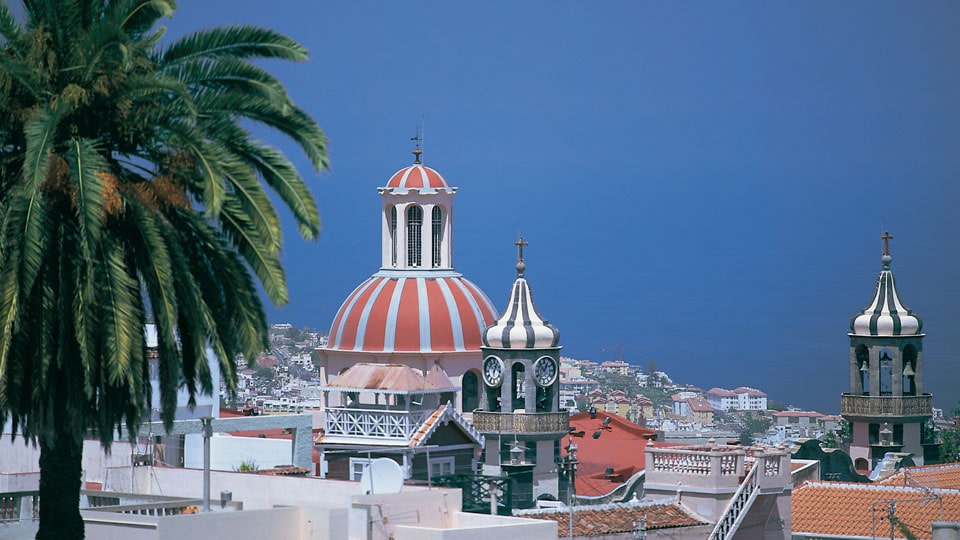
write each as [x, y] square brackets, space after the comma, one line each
[569, 467]
[207, 433]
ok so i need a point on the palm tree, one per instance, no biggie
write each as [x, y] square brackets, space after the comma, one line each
[131, 189]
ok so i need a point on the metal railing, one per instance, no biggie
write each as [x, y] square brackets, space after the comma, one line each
[857, 405]
[733, 515]
[11, 506]
[521, 422]
[481, 493]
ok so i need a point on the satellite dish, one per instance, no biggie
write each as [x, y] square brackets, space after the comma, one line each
[383, 475]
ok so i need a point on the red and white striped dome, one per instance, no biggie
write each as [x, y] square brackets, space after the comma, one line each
[412, 312]
[417, 176]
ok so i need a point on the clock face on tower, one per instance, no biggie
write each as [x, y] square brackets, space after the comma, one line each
[545, 370]
[492, 371]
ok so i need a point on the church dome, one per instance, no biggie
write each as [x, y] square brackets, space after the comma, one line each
[399, 311]
[886, 315]
[417, 176]
[521, 326]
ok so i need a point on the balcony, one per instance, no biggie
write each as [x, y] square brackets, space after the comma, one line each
[857, 406]
[377, 423]
[522, 422]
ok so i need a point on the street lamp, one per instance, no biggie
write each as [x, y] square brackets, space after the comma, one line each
[569, 465]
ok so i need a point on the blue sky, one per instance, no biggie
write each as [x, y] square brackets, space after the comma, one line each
[702, 184]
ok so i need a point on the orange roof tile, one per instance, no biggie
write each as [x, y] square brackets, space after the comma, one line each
[608, 519]
[860, 510]
[946, 476]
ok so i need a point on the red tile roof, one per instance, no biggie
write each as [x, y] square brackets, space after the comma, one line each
[609, 519]
[621, 445]
[748, 391]
[860, 510]
[946, 476]
[699, 404]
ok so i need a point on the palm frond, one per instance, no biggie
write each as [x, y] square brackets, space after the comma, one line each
[230, 74]
[282, 176]
[234, 41]
[10, 29]
[88, 169]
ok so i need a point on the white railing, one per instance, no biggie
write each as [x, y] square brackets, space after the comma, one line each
[739, 505]
[374, 423]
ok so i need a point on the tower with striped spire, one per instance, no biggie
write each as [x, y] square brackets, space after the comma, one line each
[886, 405]
[520, 414]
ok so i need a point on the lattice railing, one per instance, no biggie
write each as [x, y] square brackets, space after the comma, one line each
[373, 423]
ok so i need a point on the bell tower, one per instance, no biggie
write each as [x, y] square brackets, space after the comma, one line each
[886, 406]
[519, 412]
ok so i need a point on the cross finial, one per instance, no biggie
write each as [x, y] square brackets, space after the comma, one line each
[521, 266]
[886, 242]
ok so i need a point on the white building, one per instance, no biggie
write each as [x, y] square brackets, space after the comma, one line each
[742, 398]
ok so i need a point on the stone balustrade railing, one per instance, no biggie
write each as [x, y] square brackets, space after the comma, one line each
[521, 422]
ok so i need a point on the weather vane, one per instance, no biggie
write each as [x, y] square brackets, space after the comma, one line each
[418, 151]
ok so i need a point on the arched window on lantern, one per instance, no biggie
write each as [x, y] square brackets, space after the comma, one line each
[393, 235]
[436, 234]
[414, 242]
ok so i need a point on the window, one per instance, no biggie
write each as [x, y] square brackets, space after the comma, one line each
[441, 466]
[357, 466]
[393, 235]
[437, 235]
[414, 244]
[471, 391]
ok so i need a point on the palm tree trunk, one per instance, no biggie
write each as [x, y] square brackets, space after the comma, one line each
[60, 474]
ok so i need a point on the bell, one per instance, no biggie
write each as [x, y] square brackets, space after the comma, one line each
[864, 366]
[908, 371]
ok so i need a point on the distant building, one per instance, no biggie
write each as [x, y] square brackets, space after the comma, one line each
[619, 367]
[742, 398]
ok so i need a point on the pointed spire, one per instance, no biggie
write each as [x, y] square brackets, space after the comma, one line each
[886, 315]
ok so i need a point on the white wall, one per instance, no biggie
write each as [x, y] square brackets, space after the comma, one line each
[227, 452]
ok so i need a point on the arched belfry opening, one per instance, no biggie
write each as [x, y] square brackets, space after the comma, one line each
[909, 371]
[863, 369]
